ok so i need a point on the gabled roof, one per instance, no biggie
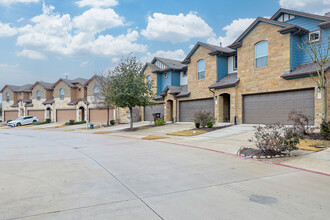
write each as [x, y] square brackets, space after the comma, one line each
[170, 64]
[71, 83]
[257, 21]
[214, 50]
[299, 13]
[48, 86]
[49, 101]
[24, 88]
[227, 81]
[304, 69]
[76, 101]
[177, 91]
[96, 77]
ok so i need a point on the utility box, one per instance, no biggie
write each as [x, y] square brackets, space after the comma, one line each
[91, 126]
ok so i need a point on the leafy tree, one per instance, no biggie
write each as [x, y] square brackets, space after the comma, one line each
[127, 87]
[319, 56]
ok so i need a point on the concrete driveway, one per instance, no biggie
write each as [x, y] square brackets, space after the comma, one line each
[60, 175]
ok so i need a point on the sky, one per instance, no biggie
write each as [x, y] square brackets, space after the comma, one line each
[52, 39]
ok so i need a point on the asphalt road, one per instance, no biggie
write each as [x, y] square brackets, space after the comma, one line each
[63, 175]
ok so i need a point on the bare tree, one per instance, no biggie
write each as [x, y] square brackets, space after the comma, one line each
[319, 56]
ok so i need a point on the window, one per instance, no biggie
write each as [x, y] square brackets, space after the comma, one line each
[19, 93]
[235, 62]
[149, 81]
[184, 74]
[38, 95]
[285, 17]
[96, 92]
[201, 69]
[61, 93]
[79, 89]
[165, 75]
[314, 36]
[7, 96]
[261, 54]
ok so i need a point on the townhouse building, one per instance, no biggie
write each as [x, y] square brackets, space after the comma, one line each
[260, 78]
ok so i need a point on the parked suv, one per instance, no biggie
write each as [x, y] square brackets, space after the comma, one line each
[23, 121]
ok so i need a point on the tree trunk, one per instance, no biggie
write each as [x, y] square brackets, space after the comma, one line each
[324, 104]
[131, 113]
[108, 113]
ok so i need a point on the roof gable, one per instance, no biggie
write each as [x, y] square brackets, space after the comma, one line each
[299, 13]
[45, 85]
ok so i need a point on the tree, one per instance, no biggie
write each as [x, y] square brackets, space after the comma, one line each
[319, 56]
[127, 87]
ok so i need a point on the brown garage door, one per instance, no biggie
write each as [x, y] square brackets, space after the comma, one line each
[10, 115]
[65, 115]
[189, 108]
[40, 114]
[100, 115]
[149, 110]
[275, 107]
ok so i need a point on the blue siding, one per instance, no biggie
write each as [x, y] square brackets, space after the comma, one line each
[222, 67]
[307, 23]
[296, 40]
[175, 78]
[159, 83]
[166, 81]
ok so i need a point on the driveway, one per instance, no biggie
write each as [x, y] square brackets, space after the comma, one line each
[60, 175]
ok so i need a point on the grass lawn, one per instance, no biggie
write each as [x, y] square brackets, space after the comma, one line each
[188, 133]
[101, 132]
[311, 145]
[154, 137]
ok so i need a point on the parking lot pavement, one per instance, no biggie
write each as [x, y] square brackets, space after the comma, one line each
[58, 175]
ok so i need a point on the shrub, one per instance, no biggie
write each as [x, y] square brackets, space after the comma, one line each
[300, 122]
[272, 139]
[209, 124]
[71, 122]
[112, 122]
[197, 124]
[325, 130]
[48, 120]
[159, 122]
[202, 117]
[40, 123]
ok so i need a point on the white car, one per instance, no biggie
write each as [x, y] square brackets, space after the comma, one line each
[22, 121]
[0, 119]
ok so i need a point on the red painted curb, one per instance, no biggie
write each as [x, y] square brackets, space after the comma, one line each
[235, 155]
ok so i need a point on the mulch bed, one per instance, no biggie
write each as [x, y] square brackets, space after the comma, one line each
[138, 128]
[211, 129]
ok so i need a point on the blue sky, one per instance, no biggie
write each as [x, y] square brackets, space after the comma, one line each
[46, 40]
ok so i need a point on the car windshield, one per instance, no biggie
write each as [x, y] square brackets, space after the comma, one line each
[19, 119]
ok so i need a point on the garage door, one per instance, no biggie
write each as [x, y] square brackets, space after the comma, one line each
[100, 115]
[10, 115]
[40, 114]
[275, 107]
[189, 108]
[149, 110]
[65, 115]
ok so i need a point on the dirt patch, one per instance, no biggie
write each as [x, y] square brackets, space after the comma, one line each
[211, 129]
[154, 137]
[187, 133]
[139, 128]
[313, 145]
[101, 132]
[247, 151]
[68, 130]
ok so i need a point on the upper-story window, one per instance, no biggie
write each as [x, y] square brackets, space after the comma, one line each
[165, 75]
[314, 36]
[235, 62]
[61, 93]
[38, 95]
[261, 54]
[201, 69]
[149, 81]
[160, 65]
[96, 92]
[7, 96]
[184, 74]
[285, 17]
[79, 89]
[19, 93]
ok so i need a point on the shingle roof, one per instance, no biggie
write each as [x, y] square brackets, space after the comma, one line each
[29, 104]
[172, 64]
[82, 81]
[213, 50]
[299, 13]
[24, 88]
[229, 80]
[177, 91]
[97, 77]
[304, 69]
[71, 82]
[44, 84]
[49, 101]
[76, 101]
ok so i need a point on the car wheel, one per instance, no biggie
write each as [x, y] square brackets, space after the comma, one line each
[18, 124]
[34, 121]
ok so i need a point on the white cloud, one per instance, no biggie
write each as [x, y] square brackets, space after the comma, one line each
[233, 31]
[54, 33]
[97, 3]
[312, 6]
[175, 55]
[84, 63]
[176, 28]
[6, 30]
[97, 19]
[9, 2]
[32, 54]
[15, 75]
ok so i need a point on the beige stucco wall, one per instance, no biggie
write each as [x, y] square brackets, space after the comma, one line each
[148, 72]
[67, 90]
[5, 104]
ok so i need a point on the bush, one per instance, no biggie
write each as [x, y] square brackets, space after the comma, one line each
[197, 125]
[325, 130]
[48, 120]
[274, 138]
[159, 122]
[202, 117]
[40, 123]
[209, 124]
[300, 122]
[71, 122]
[112, 122]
